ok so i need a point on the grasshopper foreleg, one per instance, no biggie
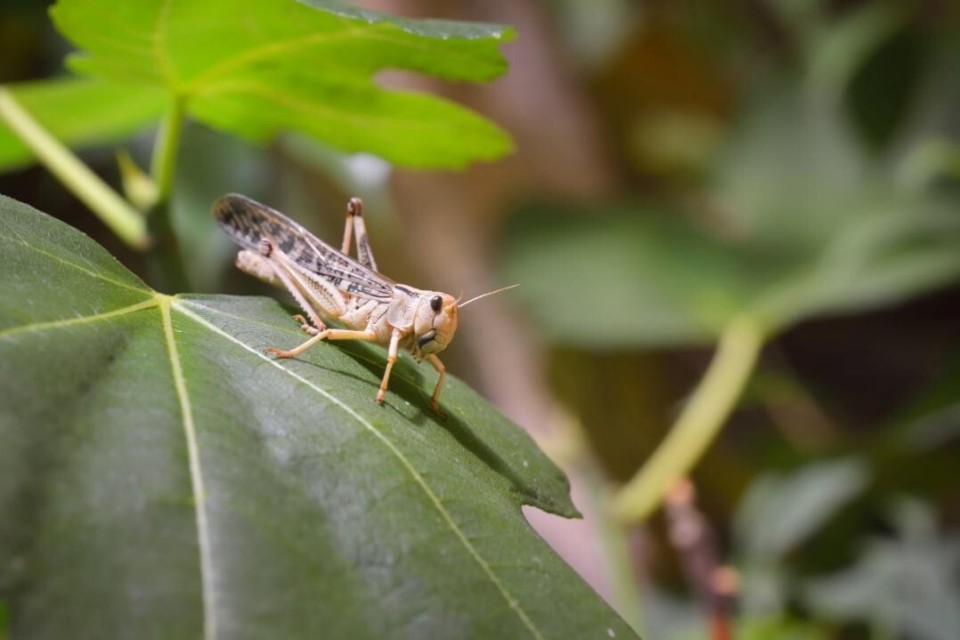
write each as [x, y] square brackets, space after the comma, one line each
[350, 334]
[391, 358]
[442, 370]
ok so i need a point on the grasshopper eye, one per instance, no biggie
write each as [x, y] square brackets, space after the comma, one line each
[436, 302]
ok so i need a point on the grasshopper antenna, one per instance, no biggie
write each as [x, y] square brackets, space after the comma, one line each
[489, 293]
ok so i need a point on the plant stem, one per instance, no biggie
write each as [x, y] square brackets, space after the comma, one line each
[167, 271]
[571, 450]
[616, 545]
[698, 424]
[163, 165]
[106, 203]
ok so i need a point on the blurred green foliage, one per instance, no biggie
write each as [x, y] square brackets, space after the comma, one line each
[795, 160]
[798, 219]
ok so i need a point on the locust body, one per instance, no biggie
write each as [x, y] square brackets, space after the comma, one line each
[330, 286]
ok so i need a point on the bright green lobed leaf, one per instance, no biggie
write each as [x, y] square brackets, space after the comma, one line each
[259, 67]
[163, 477]
[81, 113]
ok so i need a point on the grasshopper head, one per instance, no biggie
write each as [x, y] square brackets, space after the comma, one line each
[435, 323]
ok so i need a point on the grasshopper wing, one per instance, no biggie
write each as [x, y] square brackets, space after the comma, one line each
[249, 223]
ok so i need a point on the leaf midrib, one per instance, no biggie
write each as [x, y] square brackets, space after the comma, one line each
[163, 302]
[196, 473]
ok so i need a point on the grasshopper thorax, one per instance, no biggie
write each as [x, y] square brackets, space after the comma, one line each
[434, 323]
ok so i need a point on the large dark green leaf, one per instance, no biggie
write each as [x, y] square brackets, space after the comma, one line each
[164, 478]
[259, 67]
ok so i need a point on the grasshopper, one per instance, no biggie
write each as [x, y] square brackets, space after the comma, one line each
[329, 285]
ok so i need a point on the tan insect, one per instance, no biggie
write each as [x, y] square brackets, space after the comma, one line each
[331, 286]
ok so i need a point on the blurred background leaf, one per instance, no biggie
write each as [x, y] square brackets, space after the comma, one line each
[907, 586]
[779, 513]
[802, 223]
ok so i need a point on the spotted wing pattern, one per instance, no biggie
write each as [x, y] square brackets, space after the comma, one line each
[248, 222]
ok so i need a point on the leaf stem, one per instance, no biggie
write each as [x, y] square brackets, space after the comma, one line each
[167, 270]
[698, 424]
[615, 539]
[572, 451]
[76, 176]
[164, 162]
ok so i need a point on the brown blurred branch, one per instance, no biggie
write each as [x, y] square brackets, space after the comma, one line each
[695, 541]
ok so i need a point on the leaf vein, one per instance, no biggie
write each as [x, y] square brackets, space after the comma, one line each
[115, 25]
[317, 110]
[264, 52]
[93, 274]
[56, 324]
[196, 474]
[280, 48]
[158, 41]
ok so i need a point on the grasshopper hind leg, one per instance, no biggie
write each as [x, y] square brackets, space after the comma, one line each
[356, 226]
[259, 263]
[307, 326]
[326, 334]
